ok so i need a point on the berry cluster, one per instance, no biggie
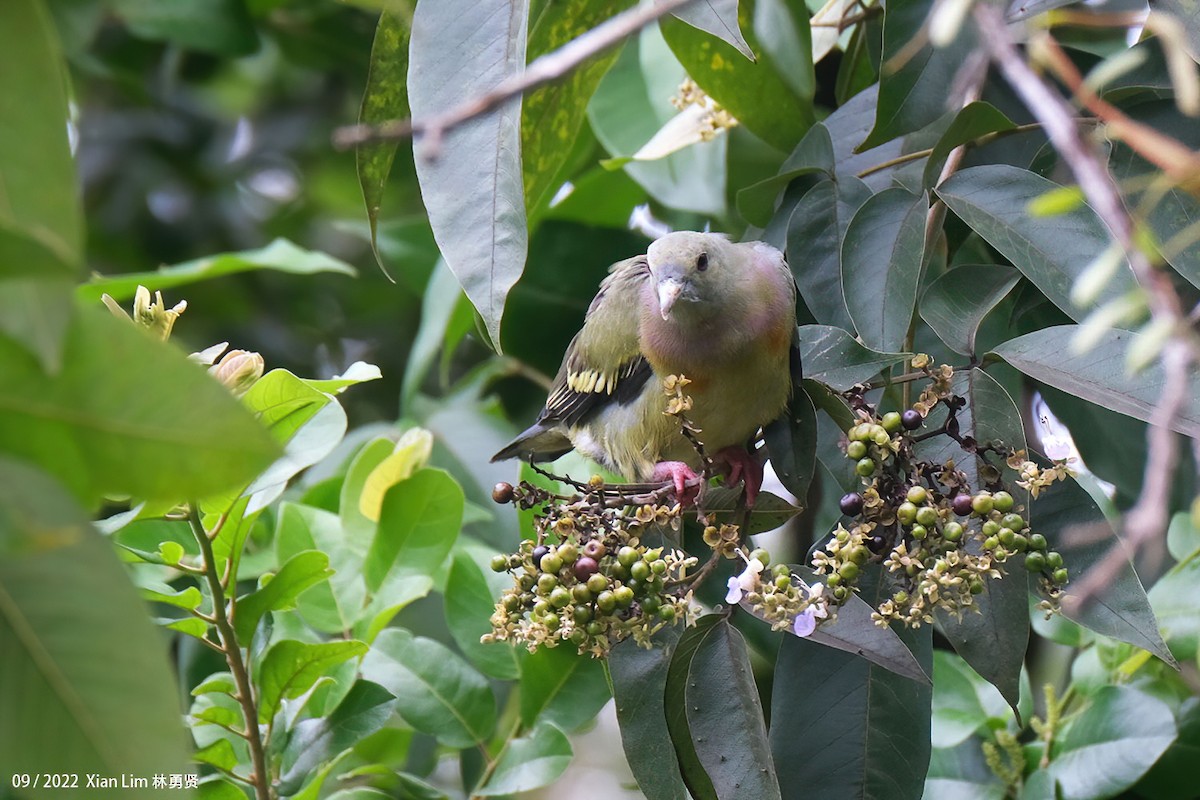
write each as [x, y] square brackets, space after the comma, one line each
[938, 539]
[588, 578]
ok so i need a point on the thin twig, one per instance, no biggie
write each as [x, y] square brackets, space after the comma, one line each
[260, 778]
[1147, 520]
[543, 70]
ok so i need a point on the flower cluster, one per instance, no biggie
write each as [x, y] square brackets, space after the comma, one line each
[783, 600]
[716, 118]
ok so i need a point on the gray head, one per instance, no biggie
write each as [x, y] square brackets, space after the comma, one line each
[690, 271]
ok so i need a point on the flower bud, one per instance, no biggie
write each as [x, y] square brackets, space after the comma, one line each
[238, 370]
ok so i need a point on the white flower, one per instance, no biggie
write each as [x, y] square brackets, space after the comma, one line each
[806, 621]
[746, 582]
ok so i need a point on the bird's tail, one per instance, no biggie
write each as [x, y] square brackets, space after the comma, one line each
[540, 442]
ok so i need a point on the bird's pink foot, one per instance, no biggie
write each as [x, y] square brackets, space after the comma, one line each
[741, 465]
[679, 474]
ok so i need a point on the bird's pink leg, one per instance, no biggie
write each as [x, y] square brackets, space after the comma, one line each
[679, 474]
[742, 466]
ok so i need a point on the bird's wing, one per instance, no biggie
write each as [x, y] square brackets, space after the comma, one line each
[604, 362]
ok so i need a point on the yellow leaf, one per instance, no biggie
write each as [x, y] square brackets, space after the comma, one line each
[411, 453]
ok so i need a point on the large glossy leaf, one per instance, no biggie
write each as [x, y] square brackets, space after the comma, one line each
[639, 680]
[290, 668]
[302, 571]
[955, 304]
[751, 91]
[562, 687]
[1099, 375]
[530, 761]
[792, 443]
[385, 98]
[719, 18]
[816, 230]
[126, 415]
[1111, 744]
[962, 702]
[1076, 527]
[470, 601]
[848, 126]
[726, 719]
[39, 196]
[691, 769]
[438, 692]
[419, 522]
[881, 266]
[280, 255]
[1051, 251]
[68, 618]
[472, 184]
[552, 115]
[973, 121]
[833, 357]
[785, 39]
[874, 725]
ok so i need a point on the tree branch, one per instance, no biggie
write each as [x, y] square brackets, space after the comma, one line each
[544, 69]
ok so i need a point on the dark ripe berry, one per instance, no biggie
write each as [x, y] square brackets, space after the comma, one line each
[499, 563]
[538, 552]
[502, 493]
[585, 568]
[876, 544]
[594, 549]
[1003, 502]
[891, 422]
[961, 504]
[911, 419]
[851, 504]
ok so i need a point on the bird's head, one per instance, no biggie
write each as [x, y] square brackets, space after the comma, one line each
[690, 271]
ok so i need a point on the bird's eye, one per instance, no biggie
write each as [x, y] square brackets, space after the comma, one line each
[702, 262]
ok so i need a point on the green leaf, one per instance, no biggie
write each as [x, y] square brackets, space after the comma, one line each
[188, 598]
[460, 50]
[329, 606]
[36, 313]
[553, 115]
[1174, 771]
[726, 719]
[1051, 251]
[881, 266]
[393, 597]
[1111, 744]
[961, 773]
[639, 679]
[385, 98]
[68, 618]
[816, 230]
[955, 304]
[222, 27]
[833, 357]
[1099, 375]
[1175, 598]
[356, 373]
[723, 505]
[873, 741]
[1076, 527]
[302, 571]
[290, 669]
[314, 742]
[439, 693]
[719, 18]
[420, 520]
[280, 255]
[751, 91]
[40, 197]
[973, 121]
[962, 702]
[914, 94]
[531, 761]
[691, 768]
[219, 754]
[469, 602]
[221, 682]
[792, 444]
[783, 33]
[560, 686]
[162, 429]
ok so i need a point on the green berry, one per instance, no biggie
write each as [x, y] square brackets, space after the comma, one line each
[881, 437]
[991, 528]
[833, 580]
[541, 608]
[982, 503]
[653, 555]
[891, 421]
[651, 604]
[841, 593]
[595, 628]
[991, 543]
[546, 583]
[1054, 560]
[976, 586]
[582, 615]
[859, 432]
[511, 602]
[782, 582]
[659, 567]
[927, 516]
[1013, 521]
[865, 467]
[597, 583]
[1020, 543]
[1007, 536]
[761, 556]
[499, 563]
[858, 555]
[919, 531]
[782, 571]
[525, 581]
[581, 593]
[1037, 542]
[848, 571]
[906, 512]
[553, 622]
[1003, 502]
[623, 596]
[900, 598]
[606, 601]
[917, 494]
[856, 450]
[627, 556]
[640, 571]
[1035, 562]
[578, 636]
[551, 563]
[952, 532]
[560, 597]
[568, 552]
[667, 613]
[1060, 575]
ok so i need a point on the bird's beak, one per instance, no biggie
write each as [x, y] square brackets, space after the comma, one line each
[668, 292]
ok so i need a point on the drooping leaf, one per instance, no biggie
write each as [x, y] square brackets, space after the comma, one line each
[881, 266]
[973, 121]
[68, 616]
[783, 33]
[691, 768]
[639, 679]
[385, 98]
[792, 444]
[419, 522]
[470, 601]
[290, 668]
[529, 762]
[1099, 375]
[1051, 251]
[719, 18]
[438, 692]
[460, 50]
[955, 304]
[560, 686]
[280, 255]
[132, 436]
[833, 357]
[816, 231]
[302, 571]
